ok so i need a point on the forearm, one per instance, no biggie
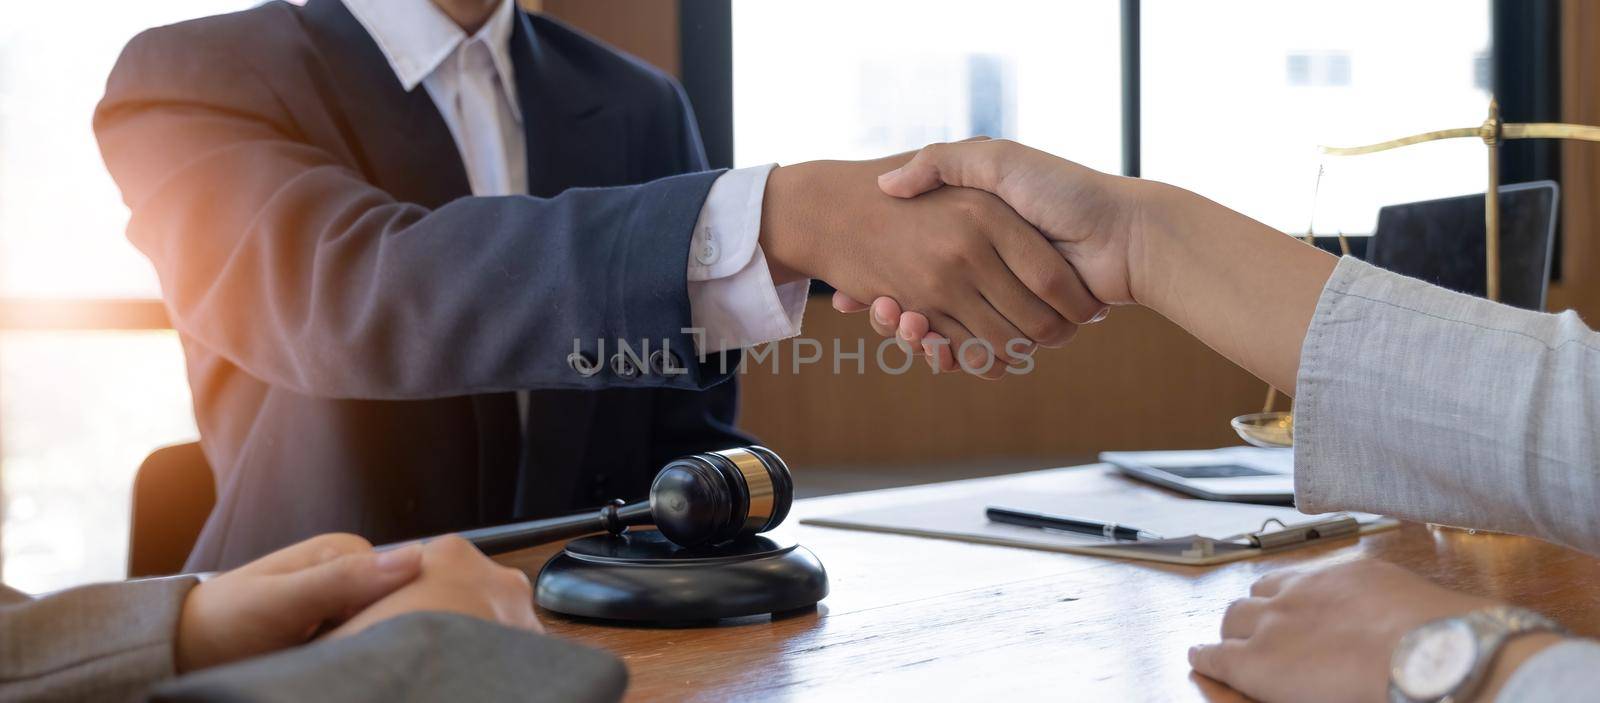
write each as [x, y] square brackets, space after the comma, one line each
[100, 642]
[1244, 289]
[1511, 658]
[1436, 406]
[806, 202]
[339, 291]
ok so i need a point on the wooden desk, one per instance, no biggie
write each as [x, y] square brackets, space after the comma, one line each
[942, 620]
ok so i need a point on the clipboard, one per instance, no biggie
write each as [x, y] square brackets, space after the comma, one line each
[1197, 532]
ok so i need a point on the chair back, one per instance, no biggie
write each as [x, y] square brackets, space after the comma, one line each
[172, 496]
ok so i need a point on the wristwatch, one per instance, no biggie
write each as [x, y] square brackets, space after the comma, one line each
[1445, 661]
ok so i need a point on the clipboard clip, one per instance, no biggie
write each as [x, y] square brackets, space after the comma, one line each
[1301, 533]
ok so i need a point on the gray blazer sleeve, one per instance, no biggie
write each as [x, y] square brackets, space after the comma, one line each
[1434, 406]
[1430, 405]
[418, 657]
[1567, 671]
[102, 642]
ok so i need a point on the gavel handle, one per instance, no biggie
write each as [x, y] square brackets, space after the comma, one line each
[521, 535]
[509, 538]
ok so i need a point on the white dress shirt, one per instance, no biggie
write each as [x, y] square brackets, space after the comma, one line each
[472, 82]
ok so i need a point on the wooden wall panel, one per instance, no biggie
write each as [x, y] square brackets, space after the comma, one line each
[1133, 381]
[647, 29]
[1579, 288]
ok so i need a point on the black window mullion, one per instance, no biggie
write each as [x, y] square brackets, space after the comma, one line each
[1130, 88]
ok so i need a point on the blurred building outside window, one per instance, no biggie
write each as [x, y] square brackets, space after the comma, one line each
[1238, 96]
[78, 409]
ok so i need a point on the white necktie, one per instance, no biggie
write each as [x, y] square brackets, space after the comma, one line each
[482, 121]
[479, 114]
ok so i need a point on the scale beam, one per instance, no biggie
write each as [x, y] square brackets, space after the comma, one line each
[1403, 141]
[1492, 132]
[1269, 428]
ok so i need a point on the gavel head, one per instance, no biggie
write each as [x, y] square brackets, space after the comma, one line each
[716, 497]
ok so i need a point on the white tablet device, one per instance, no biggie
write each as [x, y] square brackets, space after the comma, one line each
[1238, 474]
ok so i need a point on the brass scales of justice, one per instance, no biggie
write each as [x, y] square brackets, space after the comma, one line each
[1270, 428]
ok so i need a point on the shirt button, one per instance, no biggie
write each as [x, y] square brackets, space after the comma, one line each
[708, 253]
[624, 367]
[583, 363]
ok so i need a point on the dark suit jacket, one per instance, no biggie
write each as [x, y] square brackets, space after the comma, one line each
[356, 325]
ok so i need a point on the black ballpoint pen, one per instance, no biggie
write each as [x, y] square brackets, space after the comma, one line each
[1108, 530]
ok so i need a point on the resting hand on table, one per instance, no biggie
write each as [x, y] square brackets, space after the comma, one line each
[456, 577]
[1090, 218]
[283, 599]
[337, 581]
[1328, 635]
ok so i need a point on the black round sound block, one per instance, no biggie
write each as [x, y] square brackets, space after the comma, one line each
[641, 576]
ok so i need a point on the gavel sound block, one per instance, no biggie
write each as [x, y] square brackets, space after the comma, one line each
[705, 560]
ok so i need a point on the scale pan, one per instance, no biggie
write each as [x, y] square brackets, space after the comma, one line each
[1271, 430]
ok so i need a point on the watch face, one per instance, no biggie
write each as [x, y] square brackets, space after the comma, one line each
[1435, 660]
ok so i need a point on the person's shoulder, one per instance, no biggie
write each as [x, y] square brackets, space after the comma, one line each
[622, 75]
[240, 59]
[261, 31]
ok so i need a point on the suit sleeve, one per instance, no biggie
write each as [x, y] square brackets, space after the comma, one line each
[423, 656]
[284, 259]
[92, 643]
[690, 422]
[1434, 406]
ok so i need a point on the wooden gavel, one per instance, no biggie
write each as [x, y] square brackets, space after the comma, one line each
[697, 500]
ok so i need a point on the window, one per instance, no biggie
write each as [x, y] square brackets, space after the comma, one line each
[898, 75]
[1233, 98]
[1237, 97]
[79, 409]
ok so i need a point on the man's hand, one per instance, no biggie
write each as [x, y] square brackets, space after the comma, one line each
[456, 578]
[961, 257]
[1089, 217]
[283, 599]
[1243, 288]
[1328, 635]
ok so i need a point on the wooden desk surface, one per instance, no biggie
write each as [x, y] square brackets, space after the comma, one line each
[946, 620]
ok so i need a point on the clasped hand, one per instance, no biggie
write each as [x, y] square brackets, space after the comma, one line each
[336, 585]
[1025, 245]
[976, 269]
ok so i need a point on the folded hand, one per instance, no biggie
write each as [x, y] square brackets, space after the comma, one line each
[283, 599]
[456, 578]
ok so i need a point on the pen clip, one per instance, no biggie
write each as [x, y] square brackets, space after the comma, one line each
[1301, 533]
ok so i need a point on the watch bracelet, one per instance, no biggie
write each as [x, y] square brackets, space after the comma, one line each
[1508, 622]
[1514, 621]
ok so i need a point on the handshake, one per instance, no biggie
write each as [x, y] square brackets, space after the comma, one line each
[972, 253]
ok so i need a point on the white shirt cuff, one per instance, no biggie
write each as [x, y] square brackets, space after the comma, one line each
[732, 298]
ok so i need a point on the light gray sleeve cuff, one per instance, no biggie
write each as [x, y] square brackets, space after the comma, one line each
[100, 642]
[1434, 406]
[1568, 671]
